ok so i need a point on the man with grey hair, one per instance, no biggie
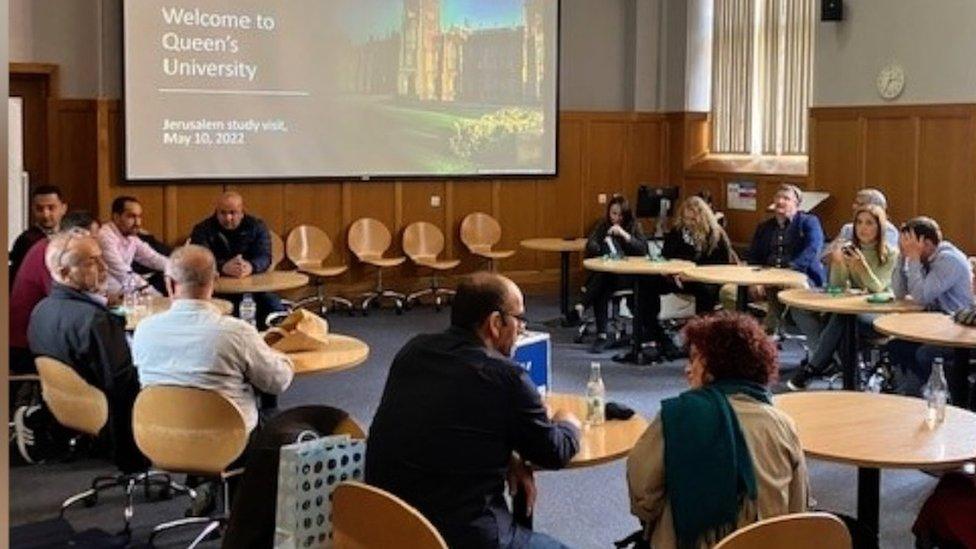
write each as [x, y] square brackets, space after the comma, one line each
[194, 345]
[75, 326]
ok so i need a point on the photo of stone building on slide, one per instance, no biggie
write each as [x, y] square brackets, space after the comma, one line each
[461, 86]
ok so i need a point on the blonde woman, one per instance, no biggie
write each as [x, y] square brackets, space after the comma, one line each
[696, 237]
[865, 262]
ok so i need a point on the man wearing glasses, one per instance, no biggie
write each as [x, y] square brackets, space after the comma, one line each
[74, 325]
[455, 414]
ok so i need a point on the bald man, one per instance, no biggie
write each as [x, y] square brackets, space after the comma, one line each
[193, 345]
[454, 411]
[241, 245]
[74, 325]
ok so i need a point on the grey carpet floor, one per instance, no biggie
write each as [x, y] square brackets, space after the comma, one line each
[586, 508]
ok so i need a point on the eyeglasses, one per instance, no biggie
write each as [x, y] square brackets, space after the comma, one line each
[519, 317]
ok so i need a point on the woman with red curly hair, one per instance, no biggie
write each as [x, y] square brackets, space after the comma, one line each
[720, 455]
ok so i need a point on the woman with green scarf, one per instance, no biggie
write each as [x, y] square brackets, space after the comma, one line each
[719, 456]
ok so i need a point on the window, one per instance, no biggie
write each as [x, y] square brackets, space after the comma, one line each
[762, 75]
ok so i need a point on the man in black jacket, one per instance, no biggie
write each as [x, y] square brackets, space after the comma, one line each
[242, 246]
[47, 209]
[455, 410]
[74, 325]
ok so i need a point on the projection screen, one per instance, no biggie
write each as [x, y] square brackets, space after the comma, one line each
[242, 89]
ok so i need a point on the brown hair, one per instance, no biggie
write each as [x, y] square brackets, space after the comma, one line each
[881, 218]
[733, 346]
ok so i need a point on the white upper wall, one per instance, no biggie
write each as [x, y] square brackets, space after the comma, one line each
[935, 42]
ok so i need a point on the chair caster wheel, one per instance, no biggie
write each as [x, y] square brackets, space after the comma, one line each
[399, 310]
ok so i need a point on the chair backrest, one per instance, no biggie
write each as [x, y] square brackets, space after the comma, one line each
[422, 239]
[480, 230]
[366, 517]
[308, 244]
[188, 430]
[74, 402]
[368, 237]
[798, 531]
[277, 250]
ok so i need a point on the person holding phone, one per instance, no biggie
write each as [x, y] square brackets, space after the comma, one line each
[866, 262]
[617, 234]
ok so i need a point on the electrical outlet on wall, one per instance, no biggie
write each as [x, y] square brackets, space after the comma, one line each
[601, 198]
[435, 201]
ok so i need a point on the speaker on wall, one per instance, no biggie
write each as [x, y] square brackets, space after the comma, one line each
[831, 10]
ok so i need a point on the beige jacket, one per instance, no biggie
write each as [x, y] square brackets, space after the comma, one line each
[781, 472]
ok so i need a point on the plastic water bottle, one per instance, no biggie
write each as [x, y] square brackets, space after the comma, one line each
[936, 394]
[614, 253]
[249, 310]
[596, 396]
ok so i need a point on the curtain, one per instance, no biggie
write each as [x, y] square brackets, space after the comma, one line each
[732, 76]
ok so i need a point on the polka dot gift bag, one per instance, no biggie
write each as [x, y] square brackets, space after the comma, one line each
[308, 472]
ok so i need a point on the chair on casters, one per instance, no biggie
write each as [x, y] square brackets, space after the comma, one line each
[423, 242]
[616, 322]
[480, 232]
[366, 517]
[192, 431]
[369, 239]
[308, 247]
[797, 531]
[82, 407]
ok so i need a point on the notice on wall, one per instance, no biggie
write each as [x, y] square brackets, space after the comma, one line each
[741, 195]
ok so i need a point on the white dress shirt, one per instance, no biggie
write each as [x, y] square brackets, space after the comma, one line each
[193, 345]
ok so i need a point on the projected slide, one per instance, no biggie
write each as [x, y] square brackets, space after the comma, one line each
[339, 88]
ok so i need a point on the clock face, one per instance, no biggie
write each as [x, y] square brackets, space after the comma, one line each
[891, 81]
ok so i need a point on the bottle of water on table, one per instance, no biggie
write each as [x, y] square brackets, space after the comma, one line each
[936, 393]
[249, 310]
[596, 396]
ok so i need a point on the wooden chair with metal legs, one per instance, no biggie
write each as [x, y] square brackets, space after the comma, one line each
[80, 406]
[366, 517]
[797, 531]
[369, 239]
[308, 247]
[192, 431]
[480, 232]
[423, 242]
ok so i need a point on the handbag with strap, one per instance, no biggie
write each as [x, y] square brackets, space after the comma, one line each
[309, 470]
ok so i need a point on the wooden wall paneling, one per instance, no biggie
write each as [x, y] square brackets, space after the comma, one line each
[265, 201]
[73, 154]
[891, 156]
[37, 85]
[836, 167]
[646, 151]
[711, 185]
[605, 170]
[559, 201]
[946, 186]
[517, 200]
[697, 136]
[192, 204]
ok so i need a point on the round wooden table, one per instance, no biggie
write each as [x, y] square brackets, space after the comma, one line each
[637, 266]
[848, 305]
[565, 247]
[600, 443]
[931, 328]
[271, 281]
[159, 303]
[873, 431]
[342, 353]
[744, 276]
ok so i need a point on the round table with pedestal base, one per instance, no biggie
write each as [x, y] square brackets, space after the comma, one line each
[876, 431]
[637, 266]
[158, 304]
[341, 353]
[848, 305]
[744, 276]
[932, 328]
[270, 281]
[564, 246]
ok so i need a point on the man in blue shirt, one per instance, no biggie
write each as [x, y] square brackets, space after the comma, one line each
[791, 239]
[938, 275]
